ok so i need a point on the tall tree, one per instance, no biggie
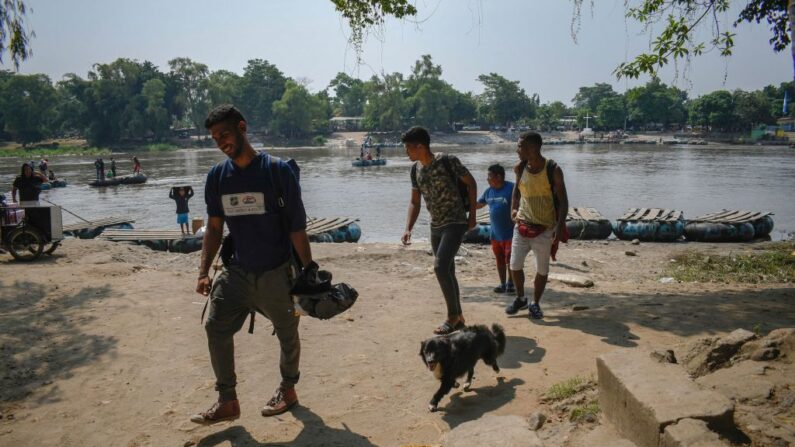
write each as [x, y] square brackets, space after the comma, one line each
[223, 88]
[589, 98]
[656, 104]
[192, 80]
[27, 104]
[386, 106]
[714, 110]
[262, 84]
[297, 113]
[503, 101]
[349, 96]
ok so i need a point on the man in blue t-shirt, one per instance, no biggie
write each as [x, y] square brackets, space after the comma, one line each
[240, 193]
[498, 197]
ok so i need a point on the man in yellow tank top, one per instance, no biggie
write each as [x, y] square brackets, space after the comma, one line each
[539, 222]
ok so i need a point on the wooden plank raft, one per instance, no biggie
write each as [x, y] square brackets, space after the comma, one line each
[315, 225]
[119, 235]
[589, 214]
[651, 215]
[731, 216]
[104, 222]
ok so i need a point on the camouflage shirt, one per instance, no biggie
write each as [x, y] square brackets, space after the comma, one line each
[440, 190]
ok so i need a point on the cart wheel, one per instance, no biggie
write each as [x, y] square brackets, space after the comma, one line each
[52, 247]
[25, 244]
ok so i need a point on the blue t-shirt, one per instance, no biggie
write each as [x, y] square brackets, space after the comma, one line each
[499, 202]
[246, 200]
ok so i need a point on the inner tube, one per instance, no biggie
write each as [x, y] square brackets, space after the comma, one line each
[187, 245]
[719, 232]
[481, 234]
[588, 229]
[649, 231]
[762, 226]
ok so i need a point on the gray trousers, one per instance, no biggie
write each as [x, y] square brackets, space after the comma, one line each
[444, 243]
[235, 293]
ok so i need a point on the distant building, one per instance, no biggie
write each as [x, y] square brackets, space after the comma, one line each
[345, 123]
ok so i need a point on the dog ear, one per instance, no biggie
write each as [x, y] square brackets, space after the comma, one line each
[422, 352]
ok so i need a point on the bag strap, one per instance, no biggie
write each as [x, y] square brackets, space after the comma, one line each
[449, 168]
[414, 174]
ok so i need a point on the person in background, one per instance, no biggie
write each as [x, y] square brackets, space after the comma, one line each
[136, 166]
[112, 167]
[181, 197]
[27, 183]
[498, 198]
[44, 166]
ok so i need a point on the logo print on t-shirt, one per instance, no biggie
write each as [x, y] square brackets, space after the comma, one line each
[243, 204]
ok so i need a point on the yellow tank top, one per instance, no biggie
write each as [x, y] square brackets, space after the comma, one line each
[536, 205]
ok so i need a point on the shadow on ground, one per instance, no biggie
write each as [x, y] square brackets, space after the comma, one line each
[609, 316]
[315, 432]
[484, 397]
[41, 340]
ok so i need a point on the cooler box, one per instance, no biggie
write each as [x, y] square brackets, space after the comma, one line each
[45, 217]
[11, 215]
[196, 224]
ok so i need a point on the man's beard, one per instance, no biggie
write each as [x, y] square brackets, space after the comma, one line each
[238, 149]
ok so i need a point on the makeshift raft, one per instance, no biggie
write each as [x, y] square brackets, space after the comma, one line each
[52, 184]
[651, 225]
[333, 229]
[729, 226]
[160, 240]
[481, 234]
[125, 180]
[367, 163]
[93, 228]
[587, 223]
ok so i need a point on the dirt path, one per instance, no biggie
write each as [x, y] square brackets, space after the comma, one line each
[101, 344]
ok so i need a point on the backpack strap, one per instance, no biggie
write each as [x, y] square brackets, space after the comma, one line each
[414, 174]
[551, 166]
[449, 169]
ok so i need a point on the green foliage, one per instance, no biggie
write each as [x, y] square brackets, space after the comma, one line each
[51, 151]
[364, 14]
[503, 101]
[298, 113]
[589, 98]
[566, 389]
[262, 84]
[14, 38]
[161, 147]
[224, 87]
[714, 110]
[656, 104]
[192, 82]
[583, 411]
[611, 113]
[775, 263]
[349, 96]
[27, 103]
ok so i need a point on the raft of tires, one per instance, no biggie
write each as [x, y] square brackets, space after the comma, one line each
[729, 226]
[650, 225]
[333, 229]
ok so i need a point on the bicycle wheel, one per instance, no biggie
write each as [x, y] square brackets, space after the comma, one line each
[25, 244]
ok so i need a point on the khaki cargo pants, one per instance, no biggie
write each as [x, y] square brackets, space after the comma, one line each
[235, 293]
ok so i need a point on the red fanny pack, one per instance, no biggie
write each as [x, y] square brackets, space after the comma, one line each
[531, 230]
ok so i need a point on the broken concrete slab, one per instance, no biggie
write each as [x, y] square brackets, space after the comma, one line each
[740, 383]
[571, 280]
[641, 396]
[491, 430]
[690, 433]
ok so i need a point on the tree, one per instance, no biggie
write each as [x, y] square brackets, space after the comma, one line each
[751, 109]
[589, 98]
[156, 116]
[386, 106]
[261, 85]
[27, 105]
[192, 82]
[298, 112]
[14, 38]
[223, 87]
[349, 95]
[503, 101]
[656, 104]
[611, 113]
[714, 110]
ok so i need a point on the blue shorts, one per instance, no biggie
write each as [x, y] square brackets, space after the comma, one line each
[182, 218]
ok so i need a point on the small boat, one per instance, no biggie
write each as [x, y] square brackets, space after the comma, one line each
[335, 229]
[359, 163]
[52, 184]
[124, 180]
[729, 226]
[650, 225]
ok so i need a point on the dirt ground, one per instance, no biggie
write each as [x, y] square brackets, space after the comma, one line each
[101, 344]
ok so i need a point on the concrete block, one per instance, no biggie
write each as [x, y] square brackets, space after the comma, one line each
[494, 431]
[641, 396]
[741, 383]
[690, 433]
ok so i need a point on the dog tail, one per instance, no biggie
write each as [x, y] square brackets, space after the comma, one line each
[499, 335]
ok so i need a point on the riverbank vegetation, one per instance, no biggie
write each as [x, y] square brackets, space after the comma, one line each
[16, 151]
[128, 103]
[769, 263]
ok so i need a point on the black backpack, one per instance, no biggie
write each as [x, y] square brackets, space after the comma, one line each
[463, 190]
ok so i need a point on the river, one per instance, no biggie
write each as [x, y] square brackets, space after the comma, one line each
[610, 178]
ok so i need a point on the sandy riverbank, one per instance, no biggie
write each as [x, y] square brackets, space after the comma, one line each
[101, 344]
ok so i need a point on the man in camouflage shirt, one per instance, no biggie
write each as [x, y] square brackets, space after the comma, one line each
[435, 177]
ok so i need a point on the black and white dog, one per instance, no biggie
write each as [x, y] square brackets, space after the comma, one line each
[453, 355]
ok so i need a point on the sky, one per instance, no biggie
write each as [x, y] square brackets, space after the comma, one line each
[525, 40]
